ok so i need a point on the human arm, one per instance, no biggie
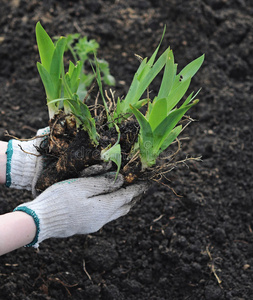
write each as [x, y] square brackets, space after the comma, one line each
[17, 229]
[76, 206]
[3, 160]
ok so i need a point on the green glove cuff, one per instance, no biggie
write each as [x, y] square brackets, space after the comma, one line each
[9, 153]
[36, 220]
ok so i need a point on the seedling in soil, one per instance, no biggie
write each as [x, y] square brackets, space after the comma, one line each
[131, 132]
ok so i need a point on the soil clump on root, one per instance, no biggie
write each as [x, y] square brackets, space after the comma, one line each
[68, 151]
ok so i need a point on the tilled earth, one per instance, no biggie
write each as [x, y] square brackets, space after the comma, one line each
[193, 243]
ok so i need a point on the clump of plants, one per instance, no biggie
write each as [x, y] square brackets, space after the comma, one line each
[127, 134]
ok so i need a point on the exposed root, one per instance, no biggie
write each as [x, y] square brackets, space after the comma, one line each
[89, 92]
[111, 104]
[160, 182]
[158, 171]
[25, 140]
[96, 105]
[29, 152]
[131, 161]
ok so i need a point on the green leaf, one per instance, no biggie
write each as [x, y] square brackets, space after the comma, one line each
[142, 79]
[47, 82]
[153, 72]
[145, 128]
[104, 68]
[168, 76]
[85, 120]
[189, 71]
[51, 90]
[158, 112]
[109, 79]
[75, 77]
[140, 103]
[145, 74]
[113, 153]
[177, 94]
[71, 68]
[164, 128]
[192, 68]
[190, 98]
[84, 47]
[146, 140]
[45, 46]
[170, 138]
[131, 95]
[57, 59]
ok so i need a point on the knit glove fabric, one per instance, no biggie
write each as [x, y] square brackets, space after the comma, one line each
[80, 206]
[23, 162]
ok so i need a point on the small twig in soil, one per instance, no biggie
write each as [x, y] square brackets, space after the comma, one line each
[158, 219]
[65, 285]
[77, 27]
[84, 268]
[158, 181]
[213, 267]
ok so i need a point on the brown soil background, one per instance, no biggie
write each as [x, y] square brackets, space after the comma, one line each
[167, 247]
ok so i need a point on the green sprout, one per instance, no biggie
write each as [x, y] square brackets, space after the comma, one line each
[158, 128]
[50, 68]
[64, 90]
[113, 153]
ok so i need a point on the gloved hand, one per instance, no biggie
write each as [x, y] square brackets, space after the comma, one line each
[22, 168]
[80, 206]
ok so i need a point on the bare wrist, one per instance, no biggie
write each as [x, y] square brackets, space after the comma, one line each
[3, 160]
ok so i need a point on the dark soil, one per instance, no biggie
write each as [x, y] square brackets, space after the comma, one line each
[196, 246]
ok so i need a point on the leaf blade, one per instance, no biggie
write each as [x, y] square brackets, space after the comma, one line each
[166, 126]
[45, 46]
[158, 112]
[168, 77]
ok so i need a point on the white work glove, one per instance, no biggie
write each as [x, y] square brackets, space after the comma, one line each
[23, 168]
[80, 206]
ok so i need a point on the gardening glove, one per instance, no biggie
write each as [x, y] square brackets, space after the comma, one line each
[23, 161]
[80, 206]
